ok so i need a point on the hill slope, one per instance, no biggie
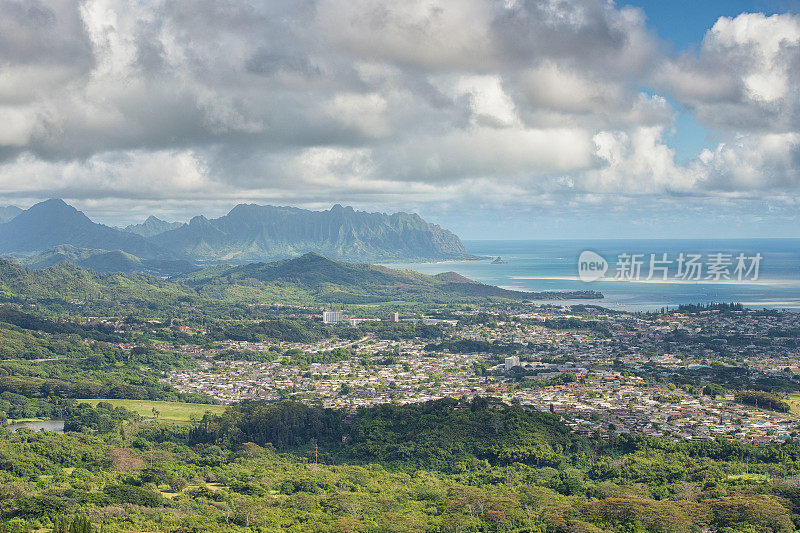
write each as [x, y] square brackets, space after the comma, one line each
[106, 261]
[436, 434]
[314, 277]
[66, 286]
[253, 232]
[307, 279]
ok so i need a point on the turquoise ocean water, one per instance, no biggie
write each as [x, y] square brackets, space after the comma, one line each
[553, 266]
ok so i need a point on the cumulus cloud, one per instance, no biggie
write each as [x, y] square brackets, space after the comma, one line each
[132, 174]
[759, 163]
[744, 82]
[378, 103]
[745, 75]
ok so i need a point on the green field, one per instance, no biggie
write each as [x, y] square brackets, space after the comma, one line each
[760, 478]
[794, 403]
[174, 411]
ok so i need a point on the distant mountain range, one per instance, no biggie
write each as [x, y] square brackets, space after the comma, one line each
[254, 232]
[247, 233]
[152, 226]
[53, 222]
[8, 212]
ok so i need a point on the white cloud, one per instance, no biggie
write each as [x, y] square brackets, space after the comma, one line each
[745, 76]
[771, 43]
[427, 34]
[637, 162]
[137, 174]
[555, 87]
[363, 112]
[18, 124]
[384, 102]
[487, 99]
[744, 84]
[754, 163]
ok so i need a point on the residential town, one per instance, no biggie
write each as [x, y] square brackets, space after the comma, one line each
[605, 373]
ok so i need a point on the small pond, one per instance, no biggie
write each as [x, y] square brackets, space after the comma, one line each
[56, 425]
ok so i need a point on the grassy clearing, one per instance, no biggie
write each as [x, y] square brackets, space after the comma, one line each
[173, 411]
[794, 403]
[211, 486]
[762, 478]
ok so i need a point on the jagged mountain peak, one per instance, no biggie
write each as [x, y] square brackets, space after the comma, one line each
[55, 207]
[9, 212]
[152, 226]
[54, 222]
[251, 232]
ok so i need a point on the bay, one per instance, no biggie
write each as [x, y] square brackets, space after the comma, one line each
[552, 265]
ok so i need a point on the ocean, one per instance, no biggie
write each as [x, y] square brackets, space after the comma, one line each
[723, 270]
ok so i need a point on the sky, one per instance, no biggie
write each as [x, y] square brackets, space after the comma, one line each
[495, 119]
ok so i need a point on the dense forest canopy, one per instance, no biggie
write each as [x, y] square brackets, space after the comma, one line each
[447, 465]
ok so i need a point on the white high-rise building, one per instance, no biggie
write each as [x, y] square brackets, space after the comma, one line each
[332, 317]
[511, 362]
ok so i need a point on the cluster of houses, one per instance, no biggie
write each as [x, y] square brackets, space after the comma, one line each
[619, 378]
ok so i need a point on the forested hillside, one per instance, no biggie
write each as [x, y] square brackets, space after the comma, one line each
[443, 466]
[310, 278]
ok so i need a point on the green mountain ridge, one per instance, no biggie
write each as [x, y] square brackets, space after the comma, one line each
[321, 279]
[58, 286]
[106, 261]
[252, 232]
[310, 278]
